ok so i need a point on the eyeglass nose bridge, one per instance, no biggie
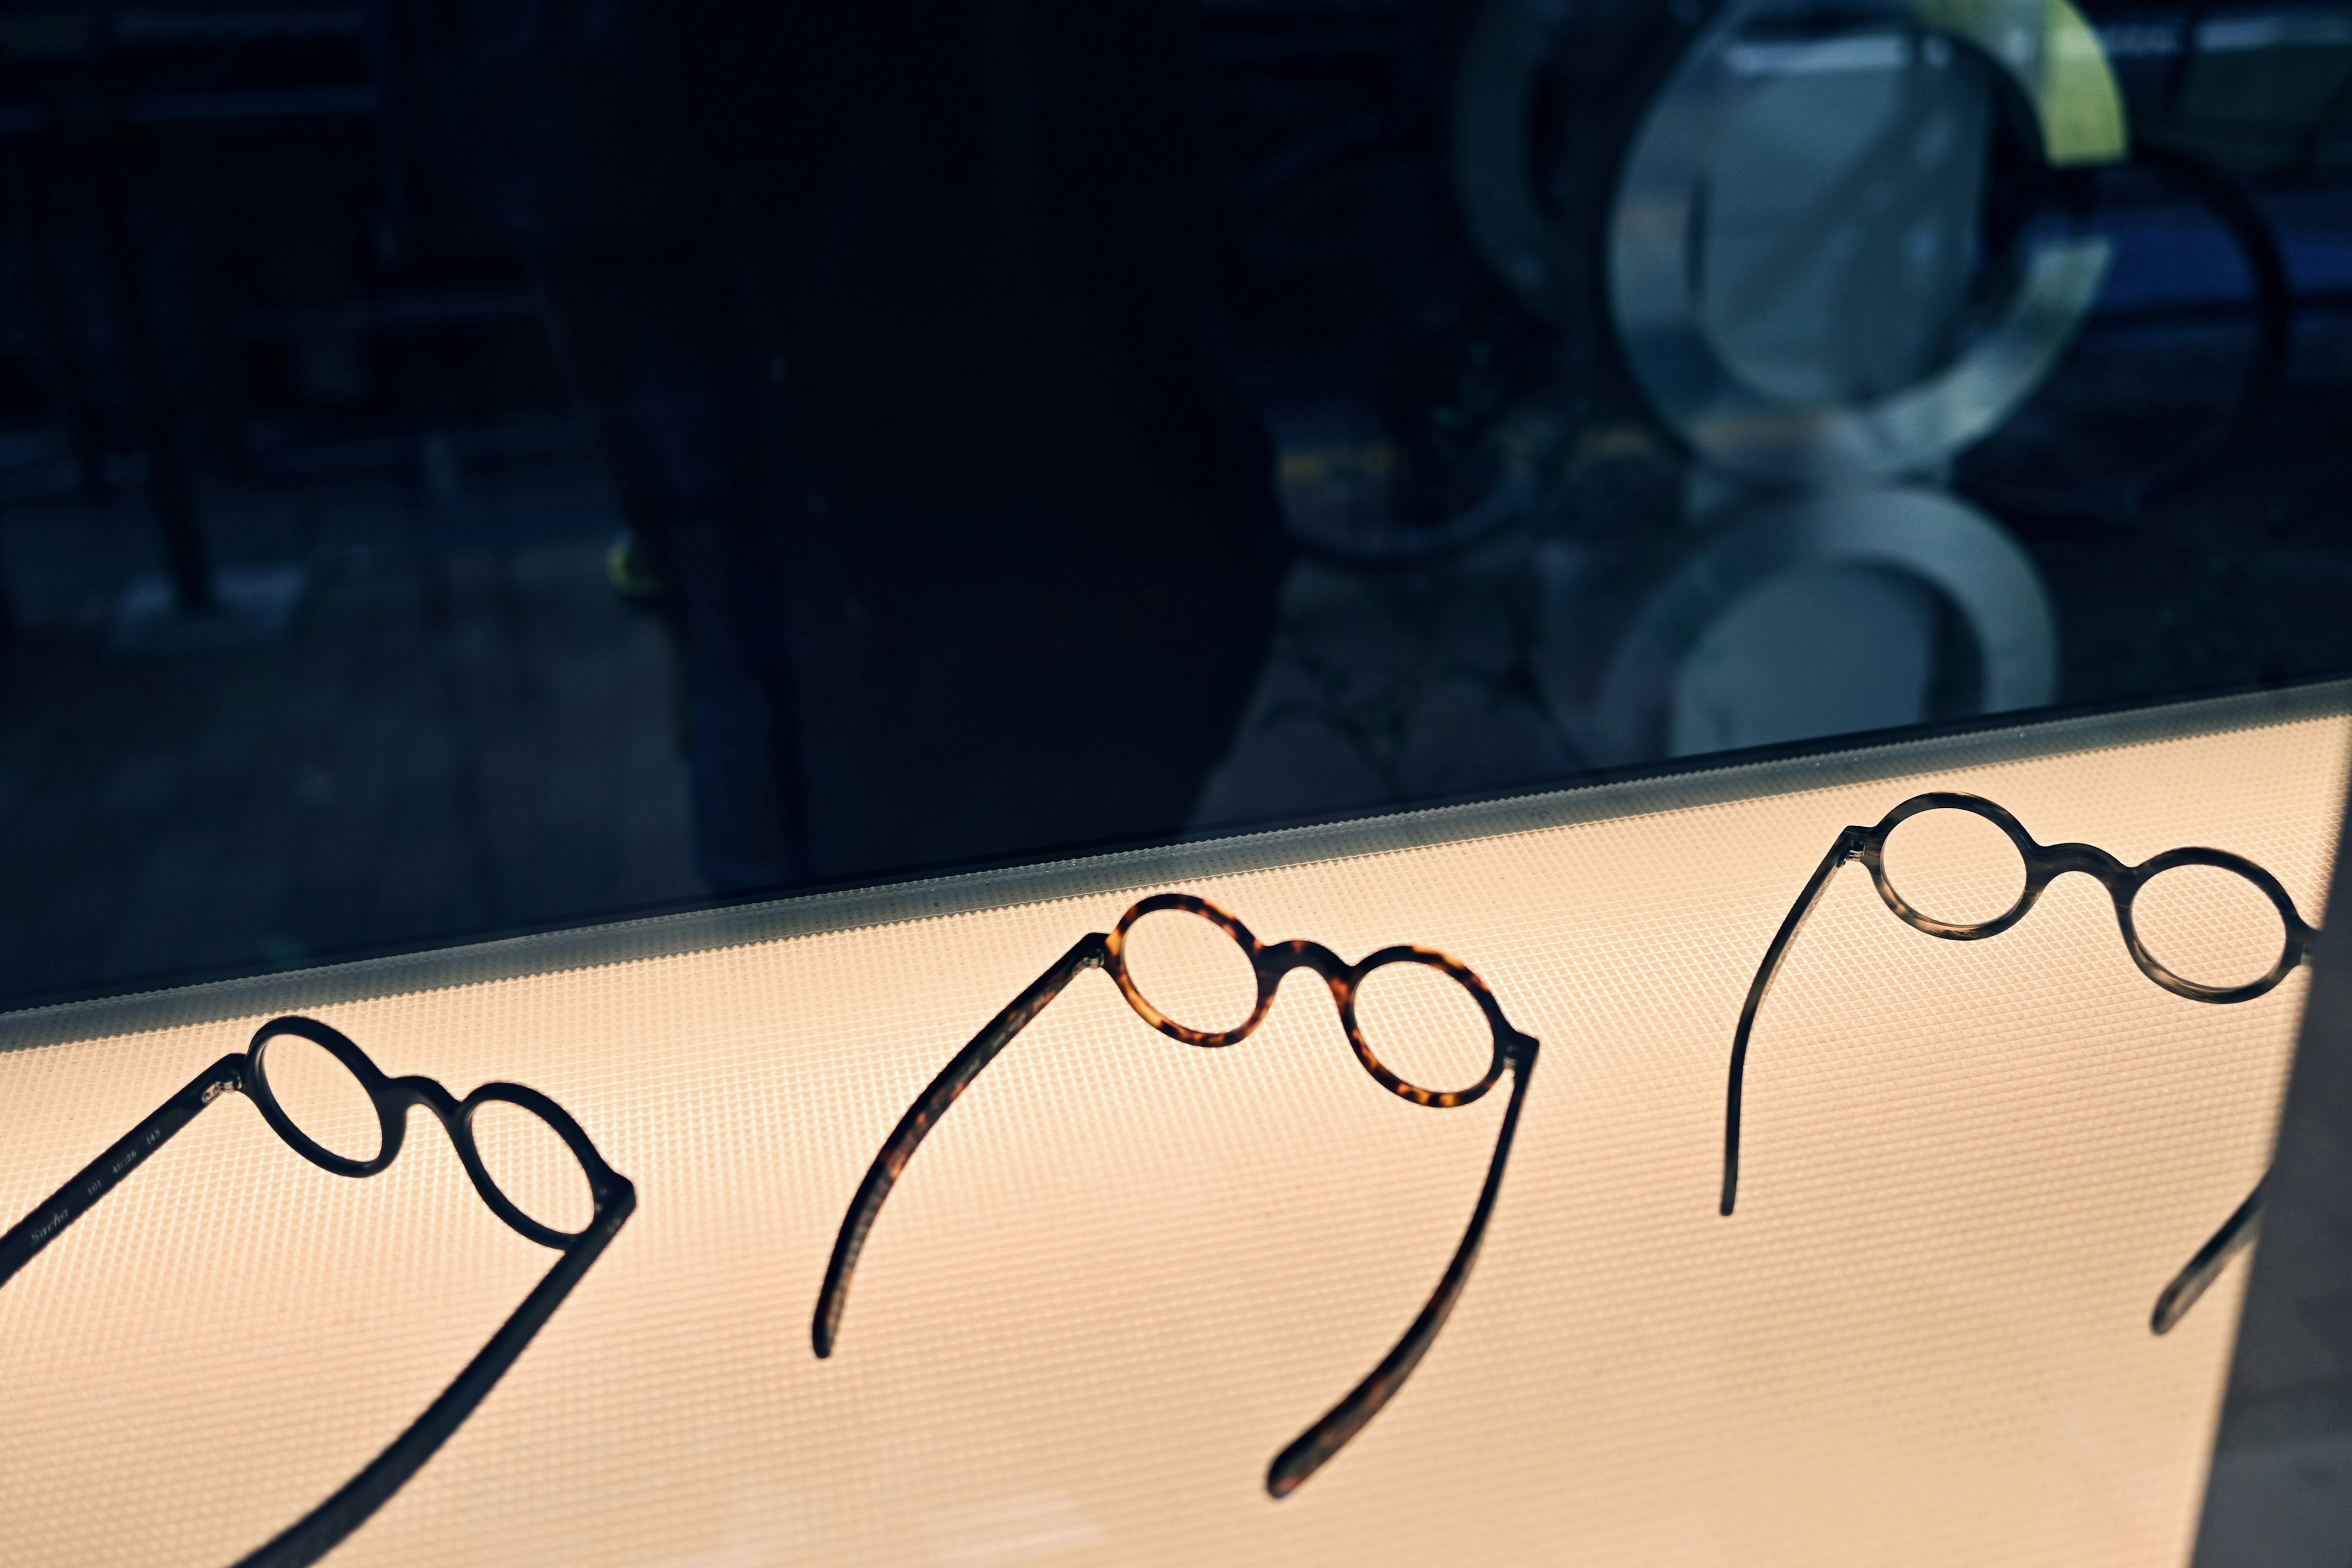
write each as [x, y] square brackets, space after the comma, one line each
[433, 1096]
[1281, 957]
[2052, 861]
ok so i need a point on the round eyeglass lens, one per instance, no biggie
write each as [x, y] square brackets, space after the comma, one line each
[323, 1099]
[1954, 867]
[1424, 1027]
[1192, 970]
[2209, 926]
[529, 1162]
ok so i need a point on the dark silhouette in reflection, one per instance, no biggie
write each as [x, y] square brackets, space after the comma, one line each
[897, 326]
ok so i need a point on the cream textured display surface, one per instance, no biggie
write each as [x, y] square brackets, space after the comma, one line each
[1123, 1273]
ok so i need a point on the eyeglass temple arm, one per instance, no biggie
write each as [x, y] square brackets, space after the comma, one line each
[930, 1106]
[2236, 1233]
[318, 1532]
[103, 1174]
[1848, 845]
[1313, 1447]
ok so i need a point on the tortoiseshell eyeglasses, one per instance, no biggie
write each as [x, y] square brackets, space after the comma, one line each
[347, 1145]
[2044, 863]
[1512, 1051]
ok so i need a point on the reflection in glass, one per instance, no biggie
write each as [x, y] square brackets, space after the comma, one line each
[308, 1094]
[1951, 864]
[1269, 961]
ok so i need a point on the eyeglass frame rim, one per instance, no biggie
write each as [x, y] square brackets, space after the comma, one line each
[1272, 963]
[392, 1099]
[2045, 863]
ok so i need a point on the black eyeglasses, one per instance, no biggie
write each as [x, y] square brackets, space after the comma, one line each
[1513, 1051]
[2044, 863]
[318, 1532]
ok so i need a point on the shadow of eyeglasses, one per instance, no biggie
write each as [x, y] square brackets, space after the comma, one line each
[1513, 1052]
[316, 1532]
[2044, 863]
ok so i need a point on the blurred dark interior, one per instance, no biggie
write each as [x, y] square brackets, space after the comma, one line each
[468, 466]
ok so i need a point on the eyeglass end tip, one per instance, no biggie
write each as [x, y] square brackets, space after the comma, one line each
[1293, 1466]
